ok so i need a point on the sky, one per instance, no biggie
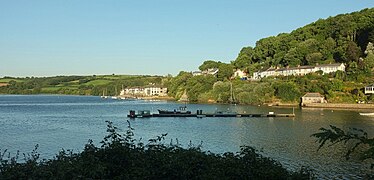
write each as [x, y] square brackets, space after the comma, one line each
[144, 37]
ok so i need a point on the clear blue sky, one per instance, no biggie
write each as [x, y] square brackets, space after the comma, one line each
[154, 37]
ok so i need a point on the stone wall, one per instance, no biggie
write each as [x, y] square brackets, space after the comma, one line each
[343, 106]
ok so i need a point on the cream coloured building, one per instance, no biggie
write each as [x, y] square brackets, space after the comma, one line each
[239, 73]
[299, 71]
[309, 98]
[155, 91]
[147, 91]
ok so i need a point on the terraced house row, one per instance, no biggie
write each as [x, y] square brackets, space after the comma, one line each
[298, 71]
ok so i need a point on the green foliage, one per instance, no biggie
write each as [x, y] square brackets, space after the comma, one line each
[209, 64]
[369, 61]
[225, 71]
[254, 93]
[353, 52]
[8, 79]
[98, 82]
[75, 85]
[288, 92]
[197, 85]
[123, 157]
[178, 84]
[244, 58]
[336, 39]
[221, 91]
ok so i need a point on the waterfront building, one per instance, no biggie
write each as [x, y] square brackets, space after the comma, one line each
[155, 91]
[135, 91]
[144, 91]
[312, 98]
[298, 71]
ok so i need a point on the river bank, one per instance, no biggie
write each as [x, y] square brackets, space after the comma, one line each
[279, 104]
[326, 105]
[339, 106]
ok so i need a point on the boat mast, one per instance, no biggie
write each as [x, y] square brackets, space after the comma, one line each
[232, 97]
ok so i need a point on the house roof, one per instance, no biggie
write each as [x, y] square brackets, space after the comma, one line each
[155, 86]
[329, 65]
[312, 95]
[293, 68]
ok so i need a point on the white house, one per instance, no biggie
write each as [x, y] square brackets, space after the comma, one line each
[132, 91]
[299, 71]
[197, 73]
[369, 89]
[147, 91]
[312, 98]
[211, 71]
[155, 91]
[241, 74]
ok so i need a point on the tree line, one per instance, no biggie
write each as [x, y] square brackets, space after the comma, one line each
[110, 85]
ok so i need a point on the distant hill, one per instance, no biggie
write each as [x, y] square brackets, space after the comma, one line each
[76, 85]
[343, 38]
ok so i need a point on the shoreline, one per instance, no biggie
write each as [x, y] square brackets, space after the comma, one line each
[346, 106]
[339, 106]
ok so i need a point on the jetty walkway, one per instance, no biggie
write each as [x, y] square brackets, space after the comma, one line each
[146, 114]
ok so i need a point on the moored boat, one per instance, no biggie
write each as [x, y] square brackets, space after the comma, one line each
[181, 110]
[140, 114]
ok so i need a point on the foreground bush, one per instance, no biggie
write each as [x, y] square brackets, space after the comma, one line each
[123, 157]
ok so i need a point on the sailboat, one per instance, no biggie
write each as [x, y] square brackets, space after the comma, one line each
[115, 95]
[104, 96]
[232, 99]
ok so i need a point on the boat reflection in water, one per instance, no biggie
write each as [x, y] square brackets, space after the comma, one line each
[367, 114]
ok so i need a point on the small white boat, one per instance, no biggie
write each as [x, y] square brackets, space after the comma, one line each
[367, 114]
[115, 97]
[104, 96]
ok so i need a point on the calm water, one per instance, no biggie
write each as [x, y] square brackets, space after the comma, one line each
[56, 122]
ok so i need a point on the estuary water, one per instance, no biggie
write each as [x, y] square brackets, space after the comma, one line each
[68, 122]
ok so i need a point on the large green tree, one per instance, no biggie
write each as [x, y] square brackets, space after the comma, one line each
[209, 64]
[244, 58]
[225, 71]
